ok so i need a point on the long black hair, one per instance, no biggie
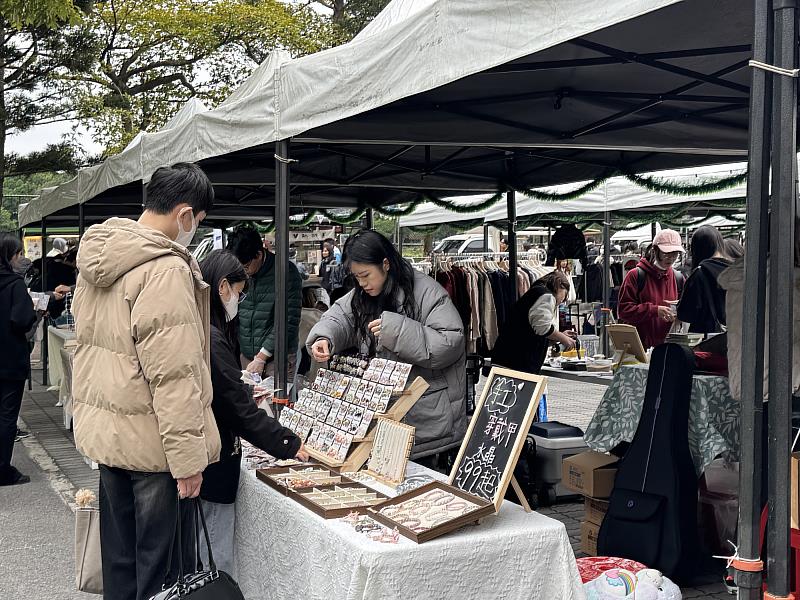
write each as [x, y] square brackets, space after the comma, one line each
[10, 246]
[706, 242]
[370, 247]
[219, 265]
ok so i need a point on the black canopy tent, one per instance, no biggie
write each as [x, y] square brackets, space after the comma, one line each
[667, 89]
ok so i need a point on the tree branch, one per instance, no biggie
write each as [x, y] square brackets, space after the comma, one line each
[163, 80]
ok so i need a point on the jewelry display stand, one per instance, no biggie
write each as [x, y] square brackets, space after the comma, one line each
[387, 463]
[361, 448]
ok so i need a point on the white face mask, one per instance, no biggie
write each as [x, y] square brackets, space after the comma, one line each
[185, 237]
[231, 304]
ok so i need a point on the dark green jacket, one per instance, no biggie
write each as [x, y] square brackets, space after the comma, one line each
[257, 310]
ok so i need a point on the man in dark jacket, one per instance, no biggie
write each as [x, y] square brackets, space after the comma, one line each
[257, 310]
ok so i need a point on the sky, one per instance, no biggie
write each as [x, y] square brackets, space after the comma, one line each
[37, 138]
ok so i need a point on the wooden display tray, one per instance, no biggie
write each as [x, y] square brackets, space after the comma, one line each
[485, 508]
[266, 476]
[332, 513]
[360, 450]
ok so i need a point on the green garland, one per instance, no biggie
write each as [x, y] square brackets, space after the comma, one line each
[706, 186]
[571, 195]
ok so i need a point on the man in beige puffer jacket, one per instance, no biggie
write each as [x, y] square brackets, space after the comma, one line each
[141, 380]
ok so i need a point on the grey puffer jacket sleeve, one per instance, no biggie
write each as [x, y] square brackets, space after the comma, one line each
[434, 343]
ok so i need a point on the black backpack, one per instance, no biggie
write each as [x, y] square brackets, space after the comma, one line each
[641, 279]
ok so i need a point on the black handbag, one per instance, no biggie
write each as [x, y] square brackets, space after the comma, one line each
[212, 584]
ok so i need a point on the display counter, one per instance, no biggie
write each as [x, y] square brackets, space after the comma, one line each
[57, 339]
[713, 416]
[581, 376]
[284, 551]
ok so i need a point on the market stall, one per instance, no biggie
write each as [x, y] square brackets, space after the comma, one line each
[713, 416]
[286, 551]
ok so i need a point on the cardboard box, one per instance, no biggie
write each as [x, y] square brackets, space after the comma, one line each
[590, 474]
[589, 535]
[595, 510]
[795, 490]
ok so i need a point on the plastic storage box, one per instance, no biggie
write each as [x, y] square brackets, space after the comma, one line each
[554, 442]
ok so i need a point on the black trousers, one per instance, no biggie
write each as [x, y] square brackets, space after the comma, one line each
[138, 513]
[10, 401]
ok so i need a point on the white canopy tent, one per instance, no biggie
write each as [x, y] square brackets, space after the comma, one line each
[418, 46]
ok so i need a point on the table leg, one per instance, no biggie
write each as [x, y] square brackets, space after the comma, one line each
[520, 494]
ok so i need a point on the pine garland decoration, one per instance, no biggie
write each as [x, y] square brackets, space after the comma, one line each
[706, 186]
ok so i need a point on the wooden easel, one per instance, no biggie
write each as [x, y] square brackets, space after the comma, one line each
[523, 501]
[362, 447]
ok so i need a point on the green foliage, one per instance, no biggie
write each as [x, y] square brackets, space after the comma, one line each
[55, 157]
[40, 13]
[351, 16]
[153, 57]
[21, 189]
[385, 225]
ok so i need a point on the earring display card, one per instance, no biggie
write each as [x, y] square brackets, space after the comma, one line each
[431, 511]
[284, 479]
[388, 373]
[390, 451]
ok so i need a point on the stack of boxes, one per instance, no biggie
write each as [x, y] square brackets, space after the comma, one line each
[590, 474]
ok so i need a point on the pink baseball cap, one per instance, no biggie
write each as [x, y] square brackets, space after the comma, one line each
[669, 240]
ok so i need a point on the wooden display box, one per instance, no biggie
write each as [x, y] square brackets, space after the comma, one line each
[269, 476]
[301, 497]
[485, 508]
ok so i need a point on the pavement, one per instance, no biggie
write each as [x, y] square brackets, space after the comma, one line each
[37, 523]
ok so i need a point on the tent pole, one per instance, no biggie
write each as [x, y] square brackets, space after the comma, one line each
[81, 222]
[281, 262]
[781, 252]
[46, 333]
[512, 240]
[370, 219]
[486, 237]
[753, 310]
[652, 231]
[606, 273]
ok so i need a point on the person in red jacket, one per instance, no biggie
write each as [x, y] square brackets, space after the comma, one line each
[645, 304]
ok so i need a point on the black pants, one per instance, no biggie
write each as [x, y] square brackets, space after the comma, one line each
[137, 523]
[10, 400]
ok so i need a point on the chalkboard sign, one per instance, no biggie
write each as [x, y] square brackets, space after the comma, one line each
[497, 433]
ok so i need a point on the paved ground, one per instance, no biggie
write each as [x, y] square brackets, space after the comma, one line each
[36, 525]
[36, 533]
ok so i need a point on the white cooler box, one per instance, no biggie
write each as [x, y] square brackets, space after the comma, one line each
[554, 442]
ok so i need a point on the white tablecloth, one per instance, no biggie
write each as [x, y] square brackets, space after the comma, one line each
[284, 551]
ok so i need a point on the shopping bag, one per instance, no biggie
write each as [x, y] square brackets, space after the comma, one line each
[88, 560]
[211, 584]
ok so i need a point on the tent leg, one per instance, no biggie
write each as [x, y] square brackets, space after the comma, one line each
[606, 273]
[512, 240]
[281, 263]
[486, 237]
[81, 222]
[369, 218]
[781, 252]
[652, 231]
[45, 341]
[753, 310]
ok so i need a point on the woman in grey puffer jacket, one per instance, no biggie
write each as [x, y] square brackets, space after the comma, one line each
[402, 315]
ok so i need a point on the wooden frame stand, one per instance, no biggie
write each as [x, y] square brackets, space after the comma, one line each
[362, 448]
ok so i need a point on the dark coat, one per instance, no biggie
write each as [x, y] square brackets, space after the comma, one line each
[16, 318]
[257, 310]
[519, 347]
[703, 299]
[237, 416]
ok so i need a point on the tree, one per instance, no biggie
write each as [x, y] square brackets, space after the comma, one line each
[38, 44]
[24, 188]
[351, 16]
[155, 56]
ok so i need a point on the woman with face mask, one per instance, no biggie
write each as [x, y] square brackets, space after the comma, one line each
[16, 318]
[234, 409]
[651, 289]
[397, 313]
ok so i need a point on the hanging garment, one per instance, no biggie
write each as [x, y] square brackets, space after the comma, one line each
[567, 242]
